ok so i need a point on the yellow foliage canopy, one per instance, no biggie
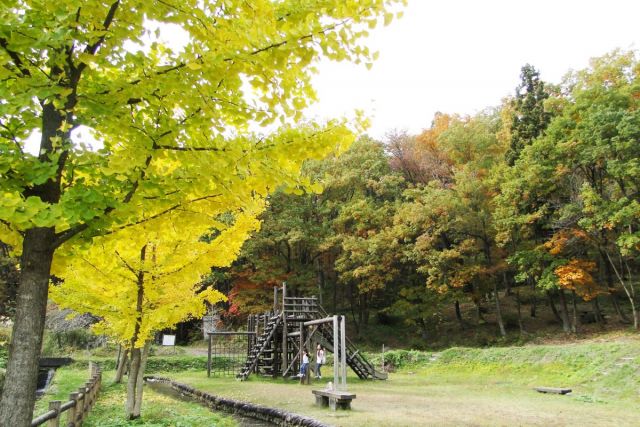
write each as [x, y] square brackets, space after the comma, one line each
[143, 279]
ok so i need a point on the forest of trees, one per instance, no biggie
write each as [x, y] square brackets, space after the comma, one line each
[539, 195]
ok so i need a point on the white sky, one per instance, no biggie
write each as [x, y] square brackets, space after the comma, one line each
[460, 56]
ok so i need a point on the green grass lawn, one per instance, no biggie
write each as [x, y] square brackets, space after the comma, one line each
[157, 410]
[458, 386]
[473, 387]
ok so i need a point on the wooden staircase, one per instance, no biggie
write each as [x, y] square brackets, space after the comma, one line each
[356, 361]
[265, 357]
[263, 353]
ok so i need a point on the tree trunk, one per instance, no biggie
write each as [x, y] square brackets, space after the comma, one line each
[564, 313]
[459, 314]
[616, 306]
[137, 407]
[598, 311]
[608, 274]
[122, 363]
[19, 394]
[520, 325]
[479, 316]
[498, 310]
[552, 305]
[507, 284]
[135, 383]
[320, 279]
[629, 289]
[366, 310]
[534, 300]
[134, 370]
[353, 309]
[574, 326]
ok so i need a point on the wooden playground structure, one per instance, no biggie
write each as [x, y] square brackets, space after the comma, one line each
[276, 339]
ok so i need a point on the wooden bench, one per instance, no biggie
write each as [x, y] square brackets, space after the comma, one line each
[552, 390]
[334, 399]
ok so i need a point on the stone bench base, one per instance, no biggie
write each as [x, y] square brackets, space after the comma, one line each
[334, 399]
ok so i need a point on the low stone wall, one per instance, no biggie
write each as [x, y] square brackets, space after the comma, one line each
[272, 415]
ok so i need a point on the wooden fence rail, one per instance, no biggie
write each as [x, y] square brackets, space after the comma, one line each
[78, 406]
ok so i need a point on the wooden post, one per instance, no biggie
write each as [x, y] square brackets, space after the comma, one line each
[54, 405]
[336, 352]
[301, 353]
[285, 347]
[275, 299]
[71, 414]
[85, 401]
[301, 342]
[209, 357]
[80, 406]
[94, 391]
[88, 403]
[343, 353]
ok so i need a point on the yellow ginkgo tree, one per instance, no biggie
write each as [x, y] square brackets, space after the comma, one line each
[145, 278]
[112, 112]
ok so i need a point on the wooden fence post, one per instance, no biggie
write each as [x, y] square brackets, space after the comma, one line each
[99, 378]
[71, 415]
[95, 387]
[89, 401]
[55, 405]
[80, 406]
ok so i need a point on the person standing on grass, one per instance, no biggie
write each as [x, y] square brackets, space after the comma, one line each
[319, 360]
[305, 363]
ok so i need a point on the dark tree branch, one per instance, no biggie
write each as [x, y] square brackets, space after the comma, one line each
[15, 58]
[161, 213]
[126, 264]
[68, 234]
[92, 49]
[176, 148]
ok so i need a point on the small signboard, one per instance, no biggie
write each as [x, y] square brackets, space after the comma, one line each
[209, 323]
[169, 340]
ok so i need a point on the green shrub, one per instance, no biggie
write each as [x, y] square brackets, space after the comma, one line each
[56, 343]
[166, 364]
[396, 359]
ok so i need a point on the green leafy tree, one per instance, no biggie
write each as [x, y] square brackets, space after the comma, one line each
[529, 118]
[571, 197]
[170, 121]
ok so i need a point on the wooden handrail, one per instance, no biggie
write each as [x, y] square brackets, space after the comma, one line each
[78, 405]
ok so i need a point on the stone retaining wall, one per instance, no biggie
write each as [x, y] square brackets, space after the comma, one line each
[272, 415]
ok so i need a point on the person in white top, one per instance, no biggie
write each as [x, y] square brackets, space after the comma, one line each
[305, 363]
[319, 360]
